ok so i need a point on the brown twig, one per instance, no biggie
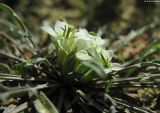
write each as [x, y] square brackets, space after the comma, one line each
[11, 57]
[4, 76]
[136, 84]
[149, 76]
[9, 38]
[135, 108]
[20, 108]
[91, 102]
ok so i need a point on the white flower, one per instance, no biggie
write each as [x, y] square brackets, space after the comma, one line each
[114, 67]
[58, 30]
[100, 42]
[87, 50]
[107, 54]
[83, 55]
[83, 34]
[84, 40]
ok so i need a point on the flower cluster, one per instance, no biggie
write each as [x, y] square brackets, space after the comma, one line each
[79, 51]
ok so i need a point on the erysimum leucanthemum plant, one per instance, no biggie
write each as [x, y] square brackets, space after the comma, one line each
[80, 54]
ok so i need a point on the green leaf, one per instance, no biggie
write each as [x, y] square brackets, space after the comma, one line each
[22, 67]
[68, 32]
[42, 61]
[97, 68]
[106, 56]
[18, 20]
[42, 103]
[154, 47]
[108, 86]
[5, 92]
[4, 68]
[92, 33]
[12, 13]
[140, 65]
[69, 62]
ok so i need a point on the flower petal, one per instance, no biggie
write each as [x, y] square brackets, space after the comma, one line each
[83, 55]
[60, 26]
[107, 54]
[49, 30]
